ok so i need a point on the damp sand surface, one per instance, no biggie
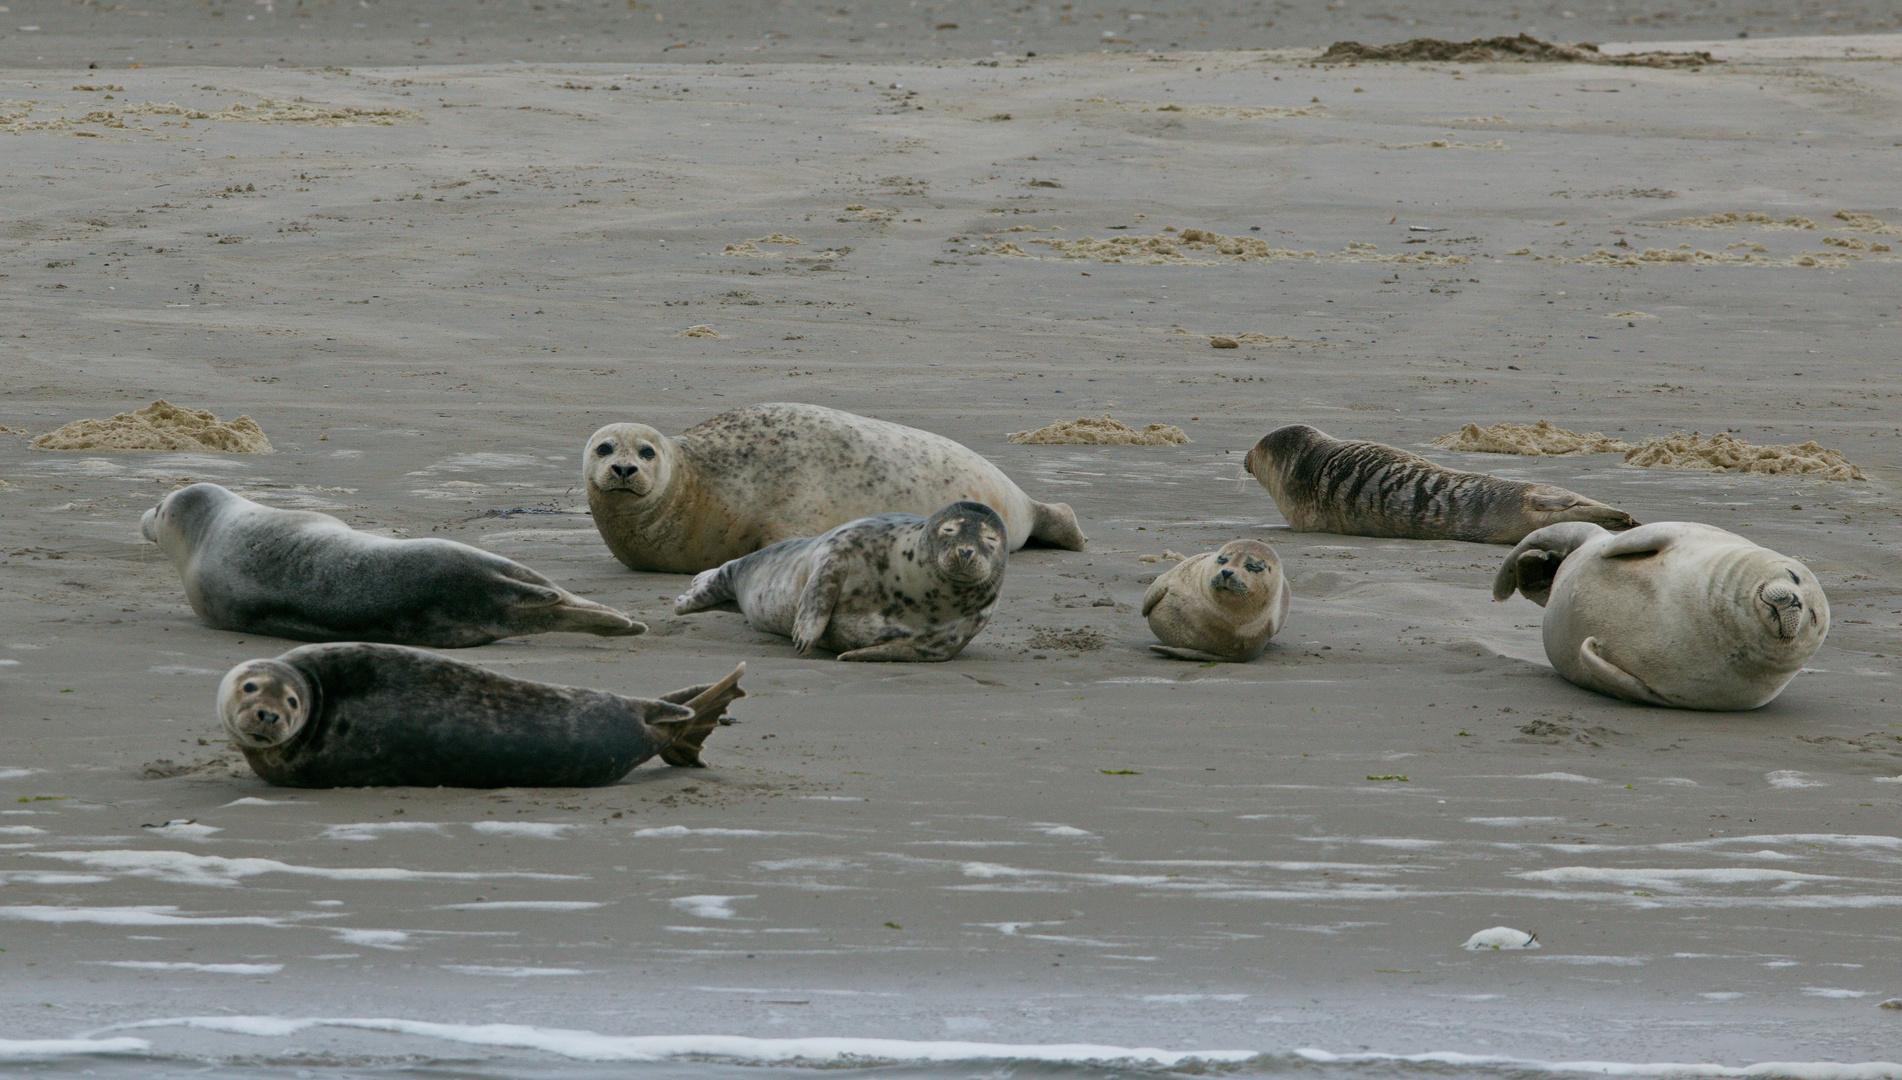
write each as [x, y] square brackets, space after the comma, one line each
[1057, 847]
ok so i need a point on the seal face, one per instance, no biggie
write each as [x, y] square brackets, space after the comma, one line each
[1219, 605]
[1324, 484]
[754, 476]
[887, 587]
[1672, 613]
[360, 715]
[307, 576]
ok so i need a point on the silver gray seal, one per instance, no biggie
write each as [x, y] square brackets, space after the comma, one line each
[887, 587]
[755, 476]
[307, 576]
[1324, 484]
[1219, 605]
[1671, 613]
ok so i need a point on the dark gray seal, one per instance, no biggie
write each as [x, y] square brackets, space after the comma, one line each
[887, 587]
[1324, 484]
[309, 577]
[356, 715]
[754, 476]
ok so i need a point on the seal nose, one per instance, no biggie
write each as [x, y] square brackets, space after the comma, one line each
[624, 471]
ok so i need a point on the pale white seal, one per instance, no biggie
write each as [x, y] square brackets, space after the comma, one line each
[1671, 613]
[1219, 605]
[758, 475]
[887, 587]
[307, 576]
[1324, 484]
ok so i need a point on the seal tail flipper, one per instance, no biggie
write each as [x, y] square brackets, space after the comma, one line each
[1055, 525]
[587, 617]
[683, 737]
[898, 649]
[1620, 682]
[1532, 565]
[712, 590]
[1576, 507]
[1176, 652]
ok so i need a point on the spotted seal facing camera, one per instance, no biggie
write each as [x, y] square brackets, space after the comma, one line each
[307, 576]
[359, 715]
[1219, 605]
[887, 587]
[1324, 484]
[755, 476]
[1671, 613]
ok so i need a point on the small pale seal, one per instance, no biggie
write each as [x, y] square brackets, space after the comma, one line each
[307, 576]
[1219, 605]
[356, 715]
[1671, 613]
[1324, 484]
[757, 475]
[887, 587]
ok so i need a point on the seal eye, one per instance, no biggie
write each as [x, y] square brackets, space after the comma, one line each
[604, 449]
[1221, 560]
[250, 688]
[291, 701]
[1256, 566]
[1793, 577]
[647, 453]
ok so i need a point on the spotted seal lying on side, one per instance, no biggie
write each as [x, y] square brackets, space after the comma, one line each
[1324, 484]
[362, 715]
[1670, 613]
[887, 587]
[307, 576]
[757, 475]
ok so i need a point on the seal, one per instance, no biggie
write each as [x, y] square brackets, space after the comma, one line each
[1219, 605]
[757, 475]
[1324, 484]
[1671, 613]
[359, 715]
[307, 576]
[886, 587]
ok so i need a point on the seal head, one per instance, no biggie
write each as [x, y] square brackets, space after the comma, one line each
[630, 459]
[1219, 605]
[265, 703]
[964, 541]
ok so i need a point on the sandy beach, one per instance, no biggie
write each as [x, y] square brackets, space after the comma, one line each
[428, 280]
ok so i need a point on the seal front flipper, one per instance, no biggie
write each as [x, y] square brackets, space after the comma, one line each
[1616, 680]
[1530, 567]
[1643, 540]
[816, 602]
[683, 737]
[1176, 653]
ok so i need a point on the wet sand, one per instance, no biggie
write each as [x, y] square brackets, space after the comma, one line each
[431, 292]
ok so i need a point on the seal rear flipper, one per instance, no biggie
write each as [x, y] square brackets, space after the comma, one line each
[1643, 540]
[896, 650]
[1176, 652]
[683, 737]
[1530, 567]
[711, 590]
[1622, 683]
[1055, 525]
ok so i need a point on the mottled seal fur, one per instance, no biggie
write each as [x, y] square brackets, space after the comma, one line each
[1324, 484]
[307, 576]
[1219, 605]
[887, 587]
[357, 715]
[757, 475]
[1671, 613]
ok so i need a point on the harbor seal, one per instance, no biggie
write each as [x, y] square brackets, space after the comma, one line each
[359, 715]
[1671, 613]
[1219, 605]
[758, 475]
[1324, 484]
[307, 576]
[886, 587]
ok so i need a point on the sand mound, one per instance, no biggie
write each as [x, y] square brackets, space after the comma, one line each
[1180, 247]
[700, 331]
[1761, 221]
[160, 426]
[1088, 431]
[1541, 439]
[1727, 453]
[1865, 222]
[1524, 48]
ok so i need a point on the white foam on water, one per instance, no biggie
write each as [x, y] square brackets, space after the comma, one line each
[1791, 778]
[148, 915]
[48, 877]
[545, 830]
[180, 669]
[1833, 992]
[372, 830]
[1721, 995]
[1189, 999]
[1876, 779]
[1572, 778]
[21, 830]
[523, 905]
[1669, 880]
[1591, 961]
[14, 772]
[1061, 830]
[185, 868]
[682, 830]
[52, 1048]
[185, 830]
[515, 972]
[375, 939]
[1508, 821]
[708, 907]
[252, 800]
[1784, 1070]
[180, 965]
